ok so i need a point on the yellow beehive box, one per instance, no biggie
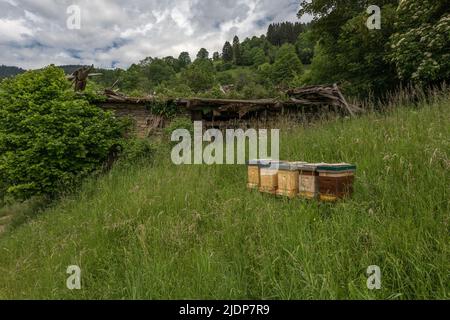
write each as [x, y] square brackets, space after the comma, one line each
[253, 177]
[253, 173]
[336, 181]
[268, 175]
[288, 179]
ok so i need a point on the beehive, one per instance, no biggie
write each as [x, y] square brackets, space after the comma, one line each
[253, 174]
[287, 179]
[308, 185]
[268, 175]
[336, 181]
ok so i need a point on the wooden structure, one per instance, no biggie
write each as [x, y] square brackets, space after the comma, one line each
[329, 95]
[227, 113]
[80, 77]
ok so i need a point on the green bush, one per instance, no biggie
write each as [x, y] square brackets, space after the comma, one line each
[50, 137]
[136, 150]
[420, 49]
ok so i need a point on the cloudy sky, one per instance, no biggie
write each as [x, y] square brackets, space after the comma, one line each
[116, 33]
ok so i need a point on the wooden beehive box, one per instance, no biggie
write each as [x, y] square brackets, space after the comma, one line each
[336, 181]
[288, 174]
[268, 175]
[308, 186]
[253, 172]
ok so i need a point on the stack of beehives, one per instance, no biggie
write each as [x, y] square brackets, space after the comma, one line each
[327, 182]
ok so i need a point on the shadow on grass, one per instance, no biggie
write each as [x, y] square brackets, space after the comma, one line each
[14, 214]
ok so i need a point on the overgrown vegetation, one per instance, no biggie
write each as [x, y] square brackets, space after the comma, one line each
[49, 137]
[150, 229]
[162, 231]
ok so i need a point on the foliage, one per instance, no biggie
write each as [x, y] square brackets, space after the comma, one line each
[287, 65]
[203, 54]
[421, 43]
[285, 32]
[50, 137]
[164, 108]
[135, 151]
[176, 124]
[360, 56]
[227, 52]
[195, 232]
[323, 67]
[348, 52]
[305, 46]
[199, 76]
[158, 71]
[7, 71]
[237, 56]
[184, 59]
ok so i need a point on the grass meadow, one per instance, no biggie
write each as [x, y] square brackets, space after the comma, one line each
[154, 230]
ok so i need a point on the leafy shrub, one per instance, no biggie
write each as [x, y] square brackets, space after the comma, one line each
[135, 150]
[50, 137]
[420, 48]
[163, 108]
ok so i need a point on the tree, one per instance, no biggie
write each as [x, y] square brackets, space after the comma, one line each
[216, 56]
[173, 63]
[237, 56]
[158, 71]
[203, 54]
[287, 65]
[285, 32]
[349, 52]
[420, 48]
[227, 52]
[305, 47]
[259, 57]
[184, 59]
[199, 76]
[50, 137]
[361, 55]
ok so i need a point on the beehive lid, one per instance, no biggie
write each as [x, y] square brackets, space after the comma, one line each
[305, 166]
[275, 164]
[259, 162]
[336, 167]
[289, 166]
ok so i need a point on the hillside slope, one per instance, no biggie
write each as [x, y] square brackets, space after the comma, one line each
[161, 231]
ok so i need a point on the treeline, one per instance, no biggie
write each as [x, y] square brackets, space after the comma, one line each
[252, 68]
[285, 32]
[7, 71]
[412, 46]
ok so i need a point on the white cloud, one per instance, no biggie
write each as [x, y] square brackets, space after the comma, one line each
[121, 32]
[13, 30]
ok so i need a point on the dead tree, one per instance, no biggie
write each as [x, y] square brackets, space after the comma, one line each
[80, 77]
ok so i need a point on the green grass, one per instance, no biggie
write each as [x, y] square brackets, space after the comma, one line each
[155, 231]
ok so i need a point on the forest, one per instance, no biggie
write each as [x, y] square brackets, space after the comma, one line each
[336, 47]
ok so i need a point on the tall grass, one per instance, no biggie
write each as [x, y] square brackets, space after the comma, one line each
[154, 231]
